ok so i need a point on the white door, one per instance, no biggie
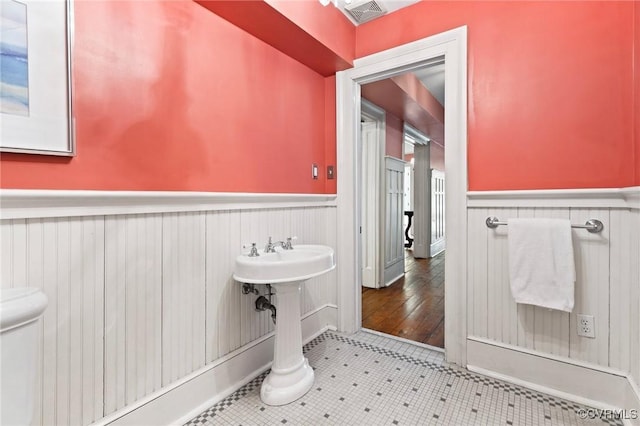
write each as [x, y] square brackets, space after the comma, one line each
[371, 165]
[393, 212]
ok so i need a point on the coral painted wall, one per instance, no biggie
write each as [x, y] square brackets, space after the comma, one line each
[550, 87]
[436, 156]
[334, 31]
[394, 136]
[636, 76]
[168, 96]
[330, 154]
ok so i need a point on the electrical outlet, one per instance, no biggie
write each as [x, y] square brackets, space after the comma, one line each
[586, 326]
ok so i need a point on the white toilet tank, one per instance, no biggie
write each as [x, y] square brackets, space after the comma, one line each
[19, 312]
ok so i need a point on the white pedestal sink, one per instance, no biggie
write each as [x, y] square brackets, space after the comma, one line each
[291, 376]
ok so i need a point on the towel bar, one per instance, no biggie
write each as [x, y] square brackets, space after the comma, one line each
[592, 225]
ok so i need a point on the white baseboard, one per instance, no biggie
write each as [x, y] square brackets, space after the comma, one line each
[177, 404]
[437, 247]
[592, 386]
[634, 395]
[393, 273]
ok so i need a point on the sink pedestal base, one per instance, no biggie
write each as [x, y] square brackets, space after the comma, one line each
[291, 376]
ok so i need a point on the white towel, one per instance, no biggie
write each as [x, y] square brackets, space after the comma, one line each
[541, 267]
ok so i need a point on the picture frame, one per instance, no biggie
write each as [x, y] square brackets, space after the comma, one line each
[36, 108]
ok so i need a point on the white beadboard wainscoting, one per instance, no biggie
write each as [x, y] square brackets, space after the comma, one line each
[144, 321]
[540, 346]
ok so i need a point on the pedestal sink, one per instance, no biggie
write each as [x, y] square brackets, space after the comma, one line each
[291, 376]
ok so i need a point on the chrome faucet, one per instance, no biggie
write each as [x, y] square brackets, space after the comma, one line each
[271, 246]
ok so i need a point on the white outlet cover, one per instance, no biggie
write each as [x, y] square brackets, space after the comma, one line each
[585, 326]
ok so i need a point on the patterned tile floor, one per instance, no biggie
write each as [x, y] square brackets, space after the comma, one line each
[367, 379]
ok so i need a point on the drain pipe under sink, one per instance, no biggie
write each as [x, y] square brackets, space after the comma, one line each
[262, 304]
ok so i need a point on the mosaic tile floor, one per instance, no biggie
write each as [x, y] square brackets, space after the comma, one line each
[367, 379]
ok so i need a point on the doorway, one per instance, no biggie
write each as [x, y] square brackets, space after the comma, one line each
[451, 46]
[408, 302]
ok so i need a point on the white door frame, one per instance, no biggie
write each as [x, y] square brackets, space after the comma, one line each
[373, 233]
[452, 45]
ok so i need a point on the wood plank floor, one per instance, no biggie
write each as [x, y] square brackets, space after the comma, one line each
[413, 306]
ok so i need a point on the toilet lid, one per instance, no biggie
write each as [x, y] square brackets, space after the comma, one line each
[9, 294]
[20, 305]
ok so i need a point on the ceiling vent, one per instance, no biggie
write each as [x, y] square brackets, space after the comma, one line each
[364, 12]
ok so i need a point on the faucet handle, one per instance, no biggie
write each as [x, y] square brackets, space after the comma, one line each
[254, 250]
[288, 245]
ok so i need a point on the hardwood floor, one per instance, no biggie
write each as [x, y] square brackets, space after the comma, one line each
[413, 306]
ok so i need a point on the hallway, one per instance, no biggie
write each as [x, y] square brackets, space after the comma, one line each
[413, 306]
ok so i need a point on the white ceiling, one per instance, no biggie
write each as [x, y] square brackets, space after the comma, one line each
[432, 77]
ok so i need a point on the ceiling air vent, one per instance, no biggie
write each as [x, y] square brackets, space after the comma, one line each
[364, 12]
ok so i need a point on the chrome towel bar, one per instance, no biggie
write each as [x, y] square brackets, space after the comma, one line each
[592, 225]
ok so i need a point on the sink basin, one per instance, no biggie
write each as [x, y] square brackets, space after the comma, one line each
[299, 264]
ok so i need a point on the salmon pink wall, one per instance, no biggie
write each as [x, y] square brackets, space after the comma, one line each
[169, 96]
[334, 31]
[636, 76]
[393, 136]
[436, 156]
[550, 87]
[330, 154]
[321, 38]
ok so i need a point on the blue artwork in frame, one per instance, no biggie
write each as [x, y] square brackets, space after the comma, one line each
[14, 59]
[36, 111]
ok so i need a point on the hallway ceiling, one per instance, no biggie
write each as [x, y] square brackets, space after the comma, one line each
[410, 105]
[402, 97]
[433, 79]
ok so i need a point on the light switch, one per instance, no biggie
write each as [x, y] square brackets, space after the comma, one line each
[314, 171]
[330, 171]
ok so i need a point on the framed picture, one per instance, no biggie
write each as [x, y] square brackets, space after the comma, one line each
[36, 115]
